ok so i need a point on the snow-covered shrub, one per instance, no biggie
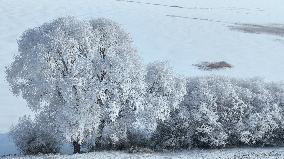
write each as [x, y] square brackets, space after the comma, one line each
[123, 136]
[32, 137]
[264, 116]
[139, 138]
[115, 136]
[227, 111]
[174, 133]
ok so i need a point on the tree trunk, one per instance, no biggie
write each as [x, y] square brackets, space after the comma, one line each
[77, 147]
[98, 143]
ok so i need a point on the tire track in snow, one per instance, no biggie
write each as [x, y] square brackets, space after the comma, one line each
[236, 9]
[192, 8]
[201, 19]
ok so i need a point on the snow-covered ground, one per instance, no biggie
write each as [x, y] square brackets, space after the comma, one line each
[192, 154]
[6, 145]
[181, 31]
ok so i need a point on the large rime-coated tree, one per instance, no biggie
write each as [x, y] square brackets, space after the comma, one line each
[84, 71]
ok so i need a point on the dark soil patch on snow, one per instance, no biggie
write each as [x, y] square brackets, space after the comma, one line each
[209, 66]
[274, 29]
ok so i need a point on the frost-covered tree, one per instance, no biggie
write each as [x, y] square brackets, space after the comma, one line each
[33, 137]
[201, 106]
[122, 87]
[164, 92]
[86, 72]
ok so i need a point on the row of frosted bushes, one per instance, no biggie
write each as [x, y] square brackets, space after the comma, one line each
[216, 112]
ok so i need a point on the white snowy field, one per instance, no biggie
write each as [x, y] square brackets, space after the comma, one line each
[257, 153]
[181, 31]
